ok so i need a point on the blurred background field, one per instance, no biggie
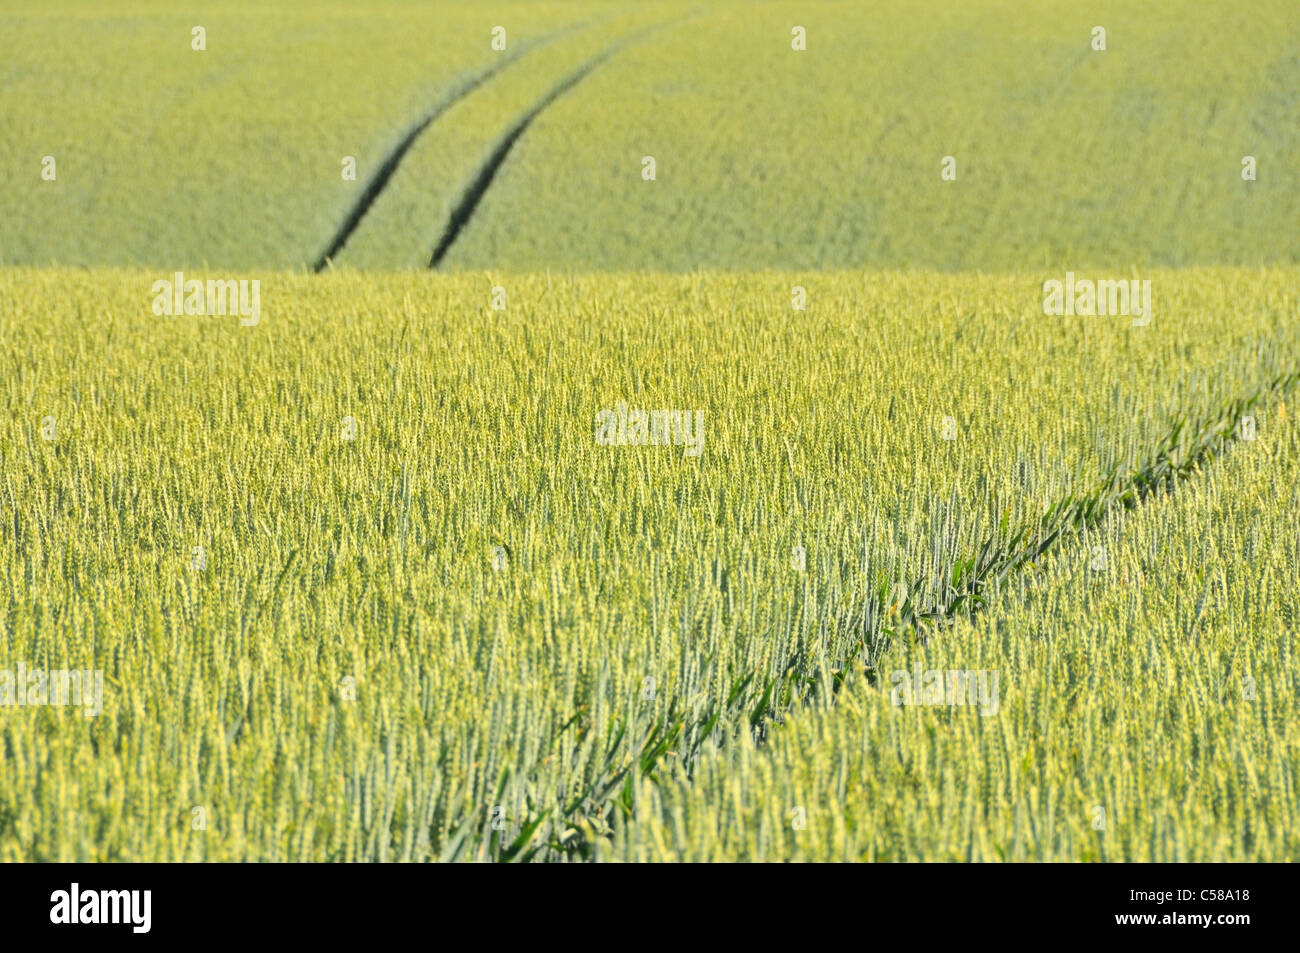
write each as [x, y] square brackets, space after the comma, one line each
[766, 157]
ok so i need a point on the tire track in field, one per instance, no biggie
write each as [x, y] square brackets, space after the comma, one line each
[482, 180]
[379, 180]
[1174, 460]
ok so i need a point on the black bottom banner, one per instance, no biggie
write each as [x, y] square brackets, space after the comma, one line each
[336, 903]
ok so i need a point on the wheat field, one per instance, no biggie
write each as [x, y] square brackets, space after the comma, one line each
[578, 431]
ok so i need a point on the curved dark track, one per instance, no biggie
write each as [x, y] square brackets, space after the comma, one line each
[487, 172]
[395, 155]
[474, 192]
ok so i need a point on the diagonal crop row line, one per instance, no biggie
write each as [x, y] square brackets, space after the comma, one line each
[482, 179]
[1178, 456]
[578, 823]
[379, 180]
